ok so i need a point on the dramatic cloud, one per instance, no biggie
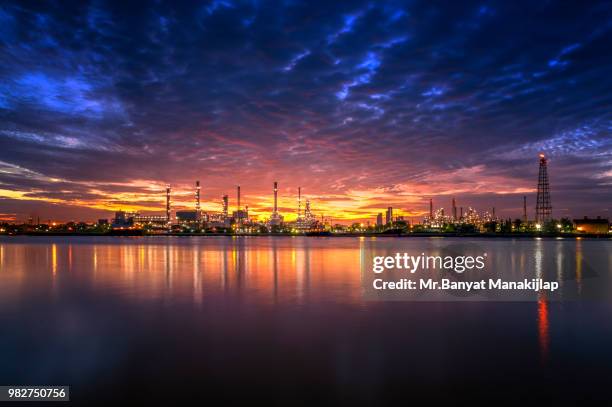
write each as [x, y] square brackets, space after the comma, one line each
[363, 104]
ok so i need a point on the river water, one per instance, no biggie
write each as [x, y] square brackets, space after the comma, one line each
[285, 320]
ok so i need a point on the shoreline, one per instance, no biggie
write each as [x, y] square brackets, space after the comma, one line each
[333, 235]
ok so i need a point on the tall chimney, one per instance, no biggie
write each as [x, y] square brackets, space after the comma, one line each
[454, 209]
[430, 208]
[197, 197]
[275, 196]
[168, 204]
[299, 202]
[524, 209]
[238, 193]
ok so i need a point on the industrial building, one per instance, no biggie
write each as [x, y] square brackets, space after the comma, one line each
[276, 219]
[153, 221]
[379, 220]
[308, 221]
[123, 220]
[389, 217]
[240, 216]
[598, 225]
[187, 217]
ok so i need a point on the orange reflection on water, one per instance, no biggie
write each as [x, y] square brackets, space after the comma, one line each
[260, 270]
[70, 258]
[54, 258]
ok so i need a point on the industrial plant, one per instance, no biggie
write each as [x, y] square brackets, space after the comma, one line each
[238, 221]
[459, 220]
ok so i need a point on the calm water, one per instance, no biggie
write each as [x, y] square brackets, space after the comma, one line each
[284, 320]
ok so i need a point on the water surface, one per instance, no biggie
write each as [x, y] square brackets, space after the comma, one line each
[284, 319]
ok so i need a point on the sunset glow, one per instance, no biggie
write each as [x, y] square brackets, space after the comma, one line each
[368, 108]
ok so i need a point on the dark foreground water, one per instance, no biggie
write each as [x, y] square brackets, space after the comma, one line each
[283, 320]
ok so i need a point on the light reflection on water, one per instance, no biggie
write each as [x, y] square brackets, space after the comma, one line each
[276, 271]
[543, 328]
[258, 291]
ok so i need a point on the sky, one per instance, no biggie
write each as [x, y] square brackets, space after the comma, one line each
[364, 105]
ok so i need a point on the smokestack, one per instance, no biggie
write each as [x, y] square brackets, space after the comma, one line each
[168, 203]
[454, 209]
[238, 193]
[275, 196]
[493, 212]
[225, 205]
[461, 212]
[430, 208]
[524, 209]
[299, 202]
[197, 197]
